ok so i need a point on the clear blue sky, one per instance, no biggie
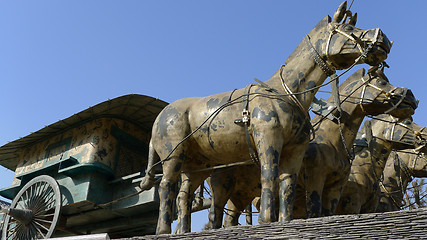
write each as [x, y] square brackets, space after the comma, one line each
[60, 57]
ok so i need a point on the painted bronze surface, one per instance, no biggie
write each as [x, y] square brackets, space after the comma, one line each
[90, 142]
[326, 162]
[362, 191]
[94, 156]
[401, 168]
[278, 125]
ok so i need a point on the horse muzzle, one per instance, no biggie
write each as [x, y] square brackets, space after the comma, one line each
[379, 45]
[404, 101]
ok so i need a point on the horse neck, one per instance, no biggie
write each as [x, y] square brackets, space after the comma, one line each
[381, 151]
[299, 74]
[391, 179]
[351, 119]
[373, 163]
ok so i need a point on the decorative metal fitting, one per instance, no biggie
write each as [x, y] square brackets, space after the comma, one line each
[245, 114]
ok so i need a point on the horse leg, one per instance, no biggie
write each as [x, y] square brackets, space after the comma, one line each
[235, 206]
[269, 144]
[289, 168]
[189, 183]
[349, 202]
[314, 184]
[300, 200]
[372, 203]
[167, 193]
[331, 196]
[232, 215]
[221, 184]
[183, 206]
[269, 155]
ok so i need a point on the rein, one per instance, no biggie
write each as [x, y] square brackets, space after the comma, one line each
[399, 161]
[407, 172]
[329, 70]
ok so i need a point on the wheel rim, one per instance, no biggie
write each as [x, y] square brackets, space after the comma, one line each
[42, 197]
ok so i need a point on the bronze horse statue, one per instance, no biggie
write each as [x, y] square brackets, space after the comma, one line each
[326, 163]
[361, 193]
[267, 122]
[401, 168]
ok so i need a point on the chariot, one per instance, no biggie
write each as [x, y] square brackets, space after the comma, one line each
[80, 175]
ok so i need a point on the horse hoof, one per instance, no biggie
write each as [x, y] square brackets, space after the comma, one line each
[146, 183]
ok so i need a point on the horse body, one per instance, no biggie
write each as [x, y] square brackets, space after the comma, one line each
[326, 161]
[361, 193]
[278, 125]
[399, 171]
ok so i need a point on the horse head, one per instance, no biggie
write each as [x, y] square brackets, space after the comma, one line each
[338, 44]
[416, 160]
[400, 133]
[374, 94]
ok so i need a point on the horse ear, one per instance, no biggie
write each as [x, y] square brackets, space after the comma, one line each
[339, 13]
[353, 19]
[358, 74]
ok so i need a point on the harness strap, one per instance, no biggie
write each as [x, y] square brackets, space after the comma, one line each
[328, 69]
[246, 123]
[398, 103]
[388, 194]
[247, 162]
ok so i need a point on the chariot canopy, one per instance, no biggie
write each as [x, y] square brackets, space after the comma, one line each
[138, 109]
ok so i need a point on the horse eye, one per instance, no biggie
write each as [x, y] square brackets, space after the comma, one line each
[348, 28]
[382, 82]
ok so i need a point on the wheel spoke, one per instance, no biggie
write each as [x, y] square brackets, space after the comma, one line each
[39, 199]
[25, 200]
[33, 195]
[44, 215]
[20, 204]
[21, 233]
[42, 196]
[43, 220]
[32, 231]
[13, 233]
[40, 231]
[31, 192]
[41, 225]
[14, 227]
[39, 204]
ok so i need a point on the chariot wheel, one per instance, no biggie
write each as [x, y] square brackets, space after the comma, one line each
[34, 211]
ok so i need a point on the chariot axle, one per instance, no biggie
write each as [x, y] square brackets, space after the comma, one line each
[24, 216]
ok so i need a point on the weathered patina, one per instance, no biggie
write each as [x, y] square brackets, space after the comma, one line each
[326, 162]
[87, 163]
[361, 193]
[197, 133]
[401, 168]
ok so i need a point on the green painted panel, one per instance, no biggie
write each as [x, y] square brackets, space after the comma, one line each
[85, 168]
[49, 168]
[10, 192]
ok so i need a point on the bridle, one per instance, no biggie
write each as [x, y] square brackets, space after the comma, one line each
[327, 66]
[401, 165]
[388, 94]
[364, 84]
[397, 160]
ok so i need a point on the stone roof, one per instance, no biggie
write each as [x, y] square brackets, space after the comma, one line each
[405, 224]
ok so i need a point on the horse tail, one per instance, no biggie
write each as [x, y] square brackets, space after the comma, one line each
[148, 180]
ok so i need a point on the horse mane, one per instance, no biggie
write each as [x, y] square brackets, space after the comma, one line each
[320, 25]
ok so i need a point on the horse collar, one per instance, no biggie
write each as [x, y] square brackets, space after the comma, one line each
[328, 69]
